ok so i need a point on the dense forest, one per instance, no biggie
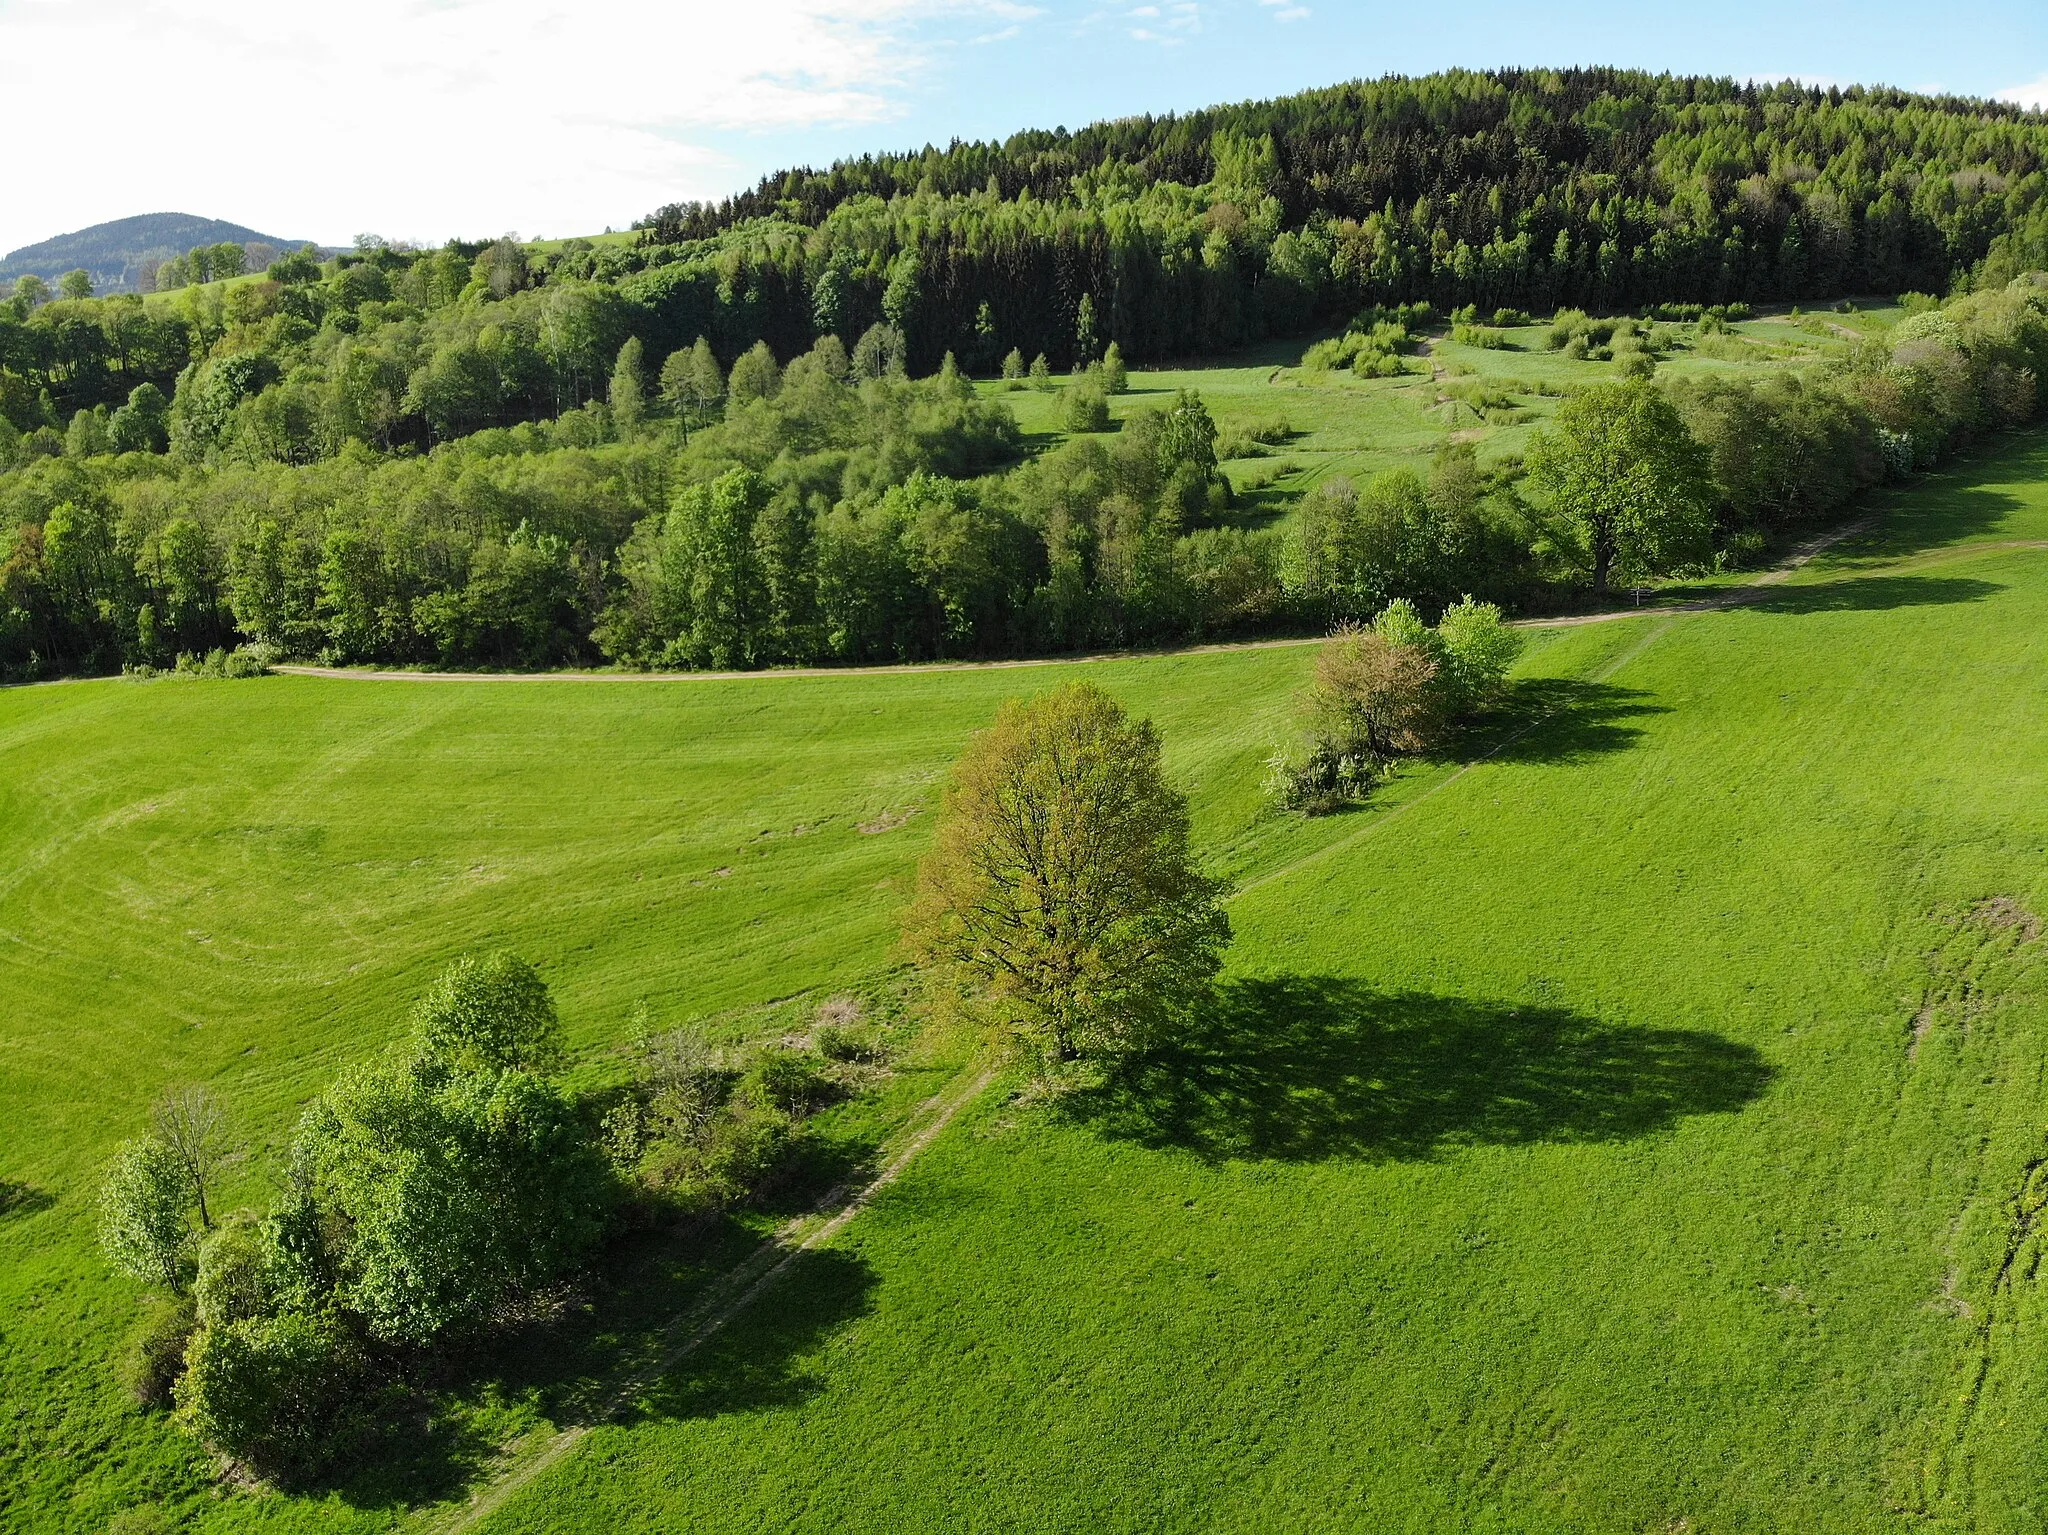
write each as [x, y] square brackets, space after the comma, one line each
[745, 437]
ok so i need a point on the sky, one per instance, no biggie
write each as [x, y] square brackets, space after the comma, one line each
[425, 119]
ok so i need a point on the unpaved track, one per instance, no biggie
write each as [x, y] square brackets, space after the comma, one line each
[730, 1296]
[1734, 597]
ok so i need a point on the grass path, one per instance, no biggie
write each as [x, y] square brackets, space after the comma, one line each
[731, 1296]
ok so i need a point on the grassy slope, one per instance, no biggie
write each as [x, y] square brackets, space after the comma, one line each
[1356, 427]
[1558, 1162]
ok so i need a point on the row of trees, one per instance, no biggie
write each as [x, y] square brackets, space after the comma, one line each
[833, 509]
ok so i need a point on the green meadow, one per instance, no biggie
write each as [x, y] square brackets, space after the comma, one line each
[1629, 1121]
[1493, 398]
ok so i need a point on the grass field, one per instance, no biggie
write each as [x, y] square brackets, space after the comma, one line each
[1356, 427]
[1630, 1122]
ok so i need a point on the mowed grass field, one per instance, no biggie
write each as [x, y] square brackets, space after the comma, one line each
[1632, 1121]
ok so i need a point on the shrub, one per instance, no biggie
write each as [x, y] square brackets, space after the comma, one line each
[156, 1357]
[785, 1080]
[268, 1391]
[490, 1012]
[1490, 338]
[1319, 777]
[1087, 407]
[235, 1282]
[1478, 648]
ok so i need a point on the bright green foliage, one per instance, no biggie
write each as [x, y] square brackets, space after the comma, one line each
[75, 285]
[145, 1210]
[238, 1279]
[1478, 649]
[1060, 891]
[490, 1013]
[451, 1192]
[1013, 366]
[755, 376]
[1620, 466]
[1115, 377]
[1087, 407]
[628, 392]
[1615, 1027]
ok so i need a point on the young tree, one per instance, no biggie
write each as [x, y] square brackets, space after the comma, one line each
[1115, 378]
[75, 284]
[628, 392]
[144, 1195]
[1013, 366]
[1041, 373]
[1060, 894]
[755, 376]
[490, 1012]
[1623, 470]
[190, 1121]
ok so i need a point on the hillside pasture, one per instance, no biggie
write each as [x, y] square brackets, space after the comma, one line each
[1628, 1120]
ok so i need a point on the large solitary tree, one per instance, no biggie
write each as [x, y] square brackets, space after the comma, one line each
[1060, 896]
[1623, 470]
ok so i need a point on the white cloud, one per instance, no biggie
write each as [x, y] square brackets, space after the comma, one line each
[425, 118]
[1169, 25]
[1286, 10]
[2034, 95]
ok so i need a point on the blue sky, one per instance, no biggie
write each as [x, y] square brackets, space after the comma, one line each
[1075, 63]
[421, 119]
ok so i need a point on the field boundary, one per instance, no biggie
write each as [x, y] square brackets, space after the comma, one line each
[1734, 597]
[729, 1296]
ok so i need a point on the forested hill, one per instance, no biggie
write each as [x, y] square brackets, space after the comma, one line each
[112, 253]
[1524, 189]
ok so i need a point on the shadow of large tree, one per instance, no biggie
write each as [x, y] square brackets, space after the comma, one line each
[1305, 1068]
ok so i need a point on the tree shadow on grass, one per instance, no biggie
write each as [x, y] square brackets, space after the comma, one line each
[611, 1354]
[23, 1198]
[1310, 1068]
[1868, 594]
[1560, 719]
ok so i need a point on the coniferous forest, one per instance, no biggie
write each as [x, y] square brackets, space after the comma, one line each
[748, 435]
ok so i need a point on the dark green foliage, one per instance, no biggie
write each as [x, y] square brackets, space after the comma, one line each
[268, 1390]
[156, 1356]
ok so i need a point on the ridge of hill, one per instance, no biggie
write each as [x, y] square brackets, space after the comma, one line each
[112, 251]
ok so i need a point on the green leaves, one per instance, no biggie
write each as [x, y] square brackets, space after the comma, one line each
[145, 1200]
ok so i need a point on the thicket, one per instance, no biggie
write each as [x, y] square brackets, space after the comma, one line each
[1386, 690]
[431, 1196]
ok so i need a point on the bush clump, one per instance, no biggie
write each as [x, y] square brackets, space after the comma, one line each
[1387, 690]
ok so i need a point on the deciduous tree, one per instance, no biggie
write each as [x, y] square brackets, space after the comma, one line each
[1060, 895]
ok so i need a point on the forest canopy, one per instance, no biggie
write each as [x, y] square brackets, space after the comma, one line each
[746, 435]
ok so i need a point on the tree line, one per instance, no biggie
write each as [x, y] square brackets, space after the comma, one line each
[832, 508]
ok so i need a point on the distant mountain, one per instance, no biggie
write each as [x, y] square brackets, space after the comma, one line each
[113, 252]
